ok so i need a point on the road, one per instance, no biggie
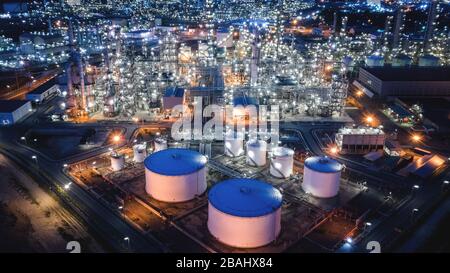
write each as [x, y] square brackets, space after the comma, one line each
[49, 173]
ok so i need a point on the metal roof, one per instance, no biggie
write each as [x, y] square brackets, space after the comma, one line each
[245, 197]
[323, 164]
[175, 162]
[43, 87]
[174, 92]
[9, 106]
[415, 74]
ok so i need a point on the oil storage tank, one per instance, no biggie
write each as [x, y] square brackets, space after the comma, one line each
[233, 144]
[244, 213]
[175, 175]
[321, 176]
[117, 161]
[160, 144]
[256, 152]
[139, 153]
[282, 162]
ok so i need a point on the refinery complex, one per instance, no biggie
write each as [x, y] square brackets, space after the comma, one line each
[224, 126]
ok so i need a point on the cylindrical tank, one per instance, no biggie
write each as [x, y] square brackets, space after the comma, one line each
[256, 152]
[429, 60]
[233, 144]
[117, 161]
[282, 162]
[375, 61]
[139, 153]
[175, 175]
[244, 212]
[321, 176]
[160, 144]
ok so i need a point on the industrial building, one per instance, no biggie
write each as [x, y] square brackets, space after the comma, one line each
[406, 81]
[360, 140]
[173, 96]
[43, 92]
[244, 213]
[11, 111]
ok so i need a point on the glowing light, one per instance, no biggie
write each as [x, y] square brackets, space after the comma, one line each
[333, 150]
[116, 138]
[416, 138]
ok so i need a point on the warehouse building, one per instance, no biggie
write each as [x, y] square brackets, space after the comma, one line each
[406, 81]
[43, 92]
[173, 96]
[360, 140]
[11, 111]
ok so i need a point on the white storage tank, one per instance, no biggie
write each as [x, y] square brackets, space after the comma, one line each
[256, 152]
[233, 144]
[375, 61]
[321, 176]
[117, 161]
[429, 60]
[244, 213]
[160, 144]
[282, 163]
[175, 175]
[139, 153]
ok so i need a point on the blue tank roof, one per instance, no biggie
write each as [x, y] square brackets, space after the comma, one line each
[323, 164]
[175, 161]
[245, 197]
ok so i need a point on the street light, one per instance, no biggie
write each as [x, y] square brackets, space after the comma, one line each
[333, 150]
[416, 138]
[127, 239]
[116, 138]
[35, 159]
[67, 186]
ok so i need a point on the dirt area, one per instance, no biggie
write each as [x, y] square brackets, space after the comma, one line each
[32, 221]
